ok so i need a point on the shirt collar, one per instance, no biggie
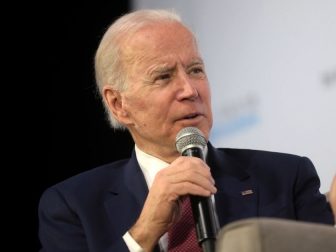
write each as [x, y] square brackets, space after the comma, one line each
[149, 165]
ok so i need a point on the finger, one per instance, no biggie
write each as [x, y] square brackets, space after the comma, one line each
[184, 164]
[187, 188]
[192, 176]
[170, 183]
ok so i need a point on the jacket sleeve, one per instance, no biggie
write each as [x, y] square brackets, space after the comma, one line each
[310, 204]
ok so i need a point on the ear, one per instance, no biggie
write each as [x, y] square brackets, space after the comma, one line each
[114, 101]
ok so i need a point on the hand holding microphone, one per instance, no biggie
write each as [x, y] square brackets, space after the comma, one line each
[183, 177]
[191, 142]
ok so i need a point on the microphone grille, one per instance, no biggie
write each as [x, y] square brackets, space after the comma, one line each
[189, 137]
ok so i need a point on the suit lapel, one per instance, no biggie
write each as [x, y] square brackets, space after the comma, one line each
[135, 181]
[126, 196]
[237, 194]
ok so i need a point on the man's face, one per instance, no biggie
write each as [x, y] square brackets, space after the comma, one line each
[167, 87]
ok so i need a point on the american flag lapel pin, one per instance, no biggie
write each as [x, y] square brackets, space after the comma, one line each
[247, 192]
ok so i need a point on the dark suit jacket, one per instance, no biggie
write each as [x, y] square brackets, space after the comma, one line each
[93, 210]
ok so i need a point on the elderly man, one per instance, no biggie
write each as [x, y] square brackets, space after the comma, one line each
[153, 82]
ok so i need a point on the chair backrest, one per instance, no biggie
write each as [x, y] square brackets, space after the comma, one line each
[276, 235]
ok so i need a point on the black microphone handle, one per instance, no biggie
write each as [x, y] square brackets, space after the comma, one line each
[203, 211]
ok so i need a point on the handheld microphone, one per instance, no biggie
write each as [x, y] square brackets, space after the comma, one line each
[191, 142]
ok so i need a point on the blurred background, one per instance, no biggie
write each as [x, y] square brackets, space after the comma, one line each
[271, 65]
[272, 70]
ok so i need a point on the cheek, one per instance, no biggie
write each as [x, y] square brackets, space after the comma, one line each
[143, 110]
[206, 95]
[135, 109]
[134, 102]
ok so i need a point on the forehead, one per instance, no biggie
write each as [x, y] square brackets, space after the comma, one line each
[160, 42]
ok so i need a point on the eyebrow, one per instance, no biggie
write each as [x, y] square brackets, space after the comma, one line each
[196, 61]
[162, 69]
[166, 69]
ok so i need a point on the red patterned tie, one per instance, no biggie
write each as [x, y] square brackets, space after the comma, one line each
[182, 235]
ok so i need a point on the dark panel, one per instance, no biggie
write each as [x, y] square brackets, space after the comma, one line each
[79, 137]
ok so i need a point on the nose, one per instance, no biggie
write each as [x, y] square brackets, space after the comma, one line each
[187, 89]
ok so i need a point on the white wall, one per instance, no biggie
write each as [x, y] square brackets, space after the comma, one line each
[272, 68]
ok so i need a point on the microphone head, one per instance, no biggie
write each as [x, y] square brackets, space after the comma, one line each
[189, 137]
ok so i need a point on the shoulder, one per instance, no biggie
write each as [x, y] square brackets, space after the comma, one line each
[87, 184]
[273, 169]
[254, 153]
[261, 155]
[103, 174]
[268, 161]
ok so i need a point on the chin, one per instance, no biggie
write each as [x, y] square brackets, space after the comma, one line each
[205, 128]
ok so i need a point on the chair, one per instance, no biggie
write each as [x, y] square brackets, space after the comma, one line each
[276, 235]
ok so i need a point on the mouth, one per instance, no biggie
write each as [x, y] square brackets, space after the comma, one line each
[191, 116]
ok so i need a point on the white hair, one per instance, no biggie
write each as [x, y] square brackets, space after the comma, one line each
[109, 67]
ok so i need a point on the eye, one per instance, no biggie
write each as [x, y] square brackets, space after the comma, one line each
[197, 71]
[163, 76]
